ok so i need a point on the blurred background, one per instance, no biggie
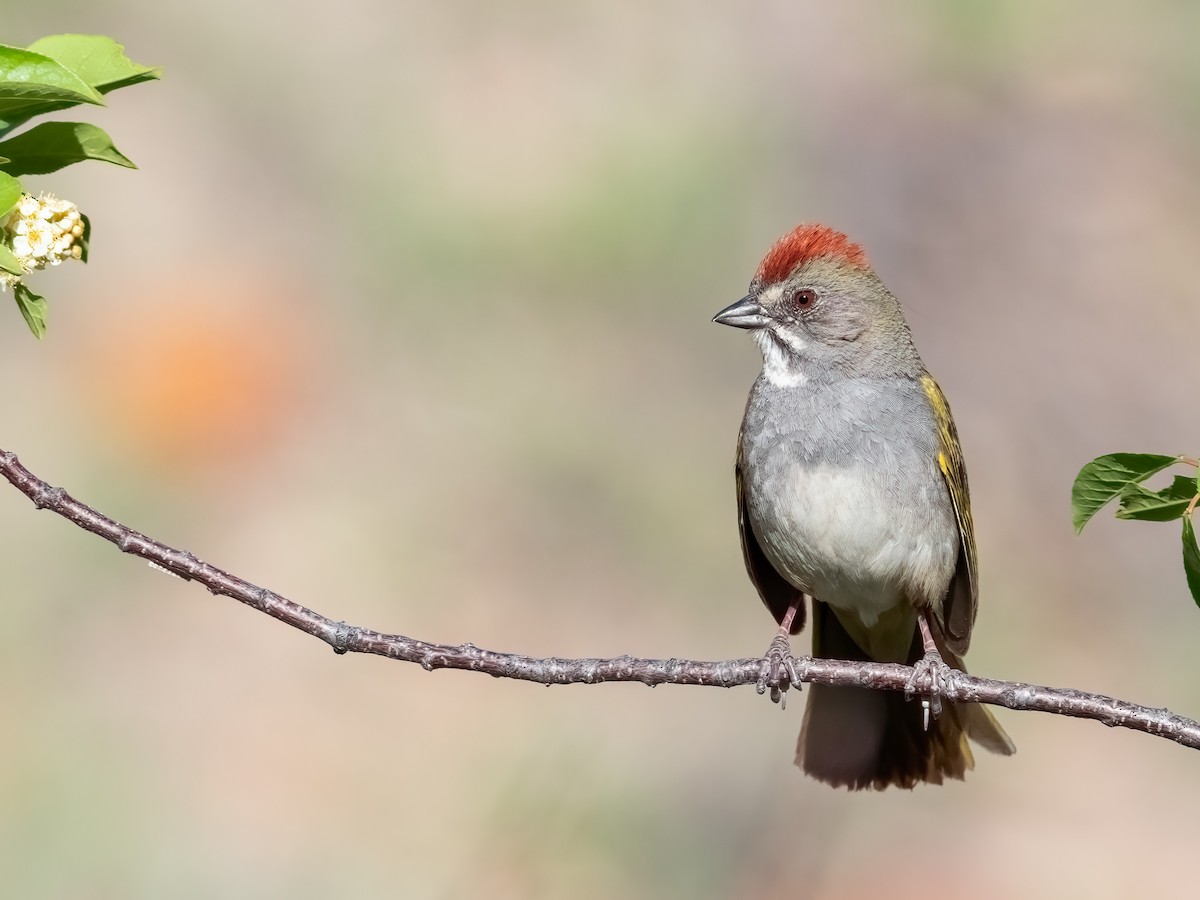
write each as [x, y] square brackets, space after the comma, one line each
[406, 316]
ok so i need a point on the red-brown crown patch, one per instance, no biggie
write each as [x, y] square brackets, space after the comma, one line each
[805, 242]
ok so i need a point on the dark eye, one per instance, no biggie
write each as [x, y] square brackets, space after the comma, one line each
[804, 298]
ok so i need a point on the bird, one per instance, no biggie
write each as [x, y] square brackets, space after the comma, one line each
[852, 496]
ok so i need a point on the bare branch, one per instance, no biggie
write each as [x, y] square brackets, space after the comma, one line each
[344, 638]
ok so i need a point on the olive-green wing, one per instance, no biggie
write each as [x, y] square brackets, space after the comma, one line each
[962, 600]
[776, 592]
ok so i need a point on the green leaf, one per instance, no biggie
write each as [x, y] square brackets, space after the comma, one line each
[1157, 506]
[1191, 559]
[98, 60]
[85, 239]
[33, 308]
[1105, 477]
[9, 262]
[55, 145]
[10, 193]
[32, 83]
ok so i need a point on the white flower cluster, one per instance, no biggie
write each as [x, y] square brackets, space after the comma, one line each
[41, 231]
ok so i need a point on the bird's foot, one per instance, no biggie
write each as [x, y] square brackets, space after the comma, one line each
[930, 679]
[933, 681]
[778, 671]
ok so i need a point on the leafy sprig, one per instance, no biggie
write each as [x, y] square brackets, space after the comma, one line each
[1120, 476]
[50, 75]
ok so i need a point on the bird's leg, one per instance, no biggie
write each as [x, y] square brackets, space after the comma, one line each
[931, 675]
[778, 668]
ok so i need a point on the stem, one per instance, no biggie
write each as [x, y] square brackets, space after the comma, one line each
[345, 638]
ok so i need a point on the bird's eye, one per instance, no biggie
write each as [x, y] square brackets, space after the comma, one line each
[804, 298]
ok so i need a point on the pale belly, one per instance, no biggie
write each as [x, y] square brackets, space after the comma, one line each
[865, 543]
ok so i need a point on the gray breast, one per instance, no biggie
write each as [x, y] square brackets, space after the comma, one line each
[844, 494]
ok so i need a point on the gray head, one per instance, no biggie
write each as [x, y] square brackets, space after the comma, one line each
[818, 311]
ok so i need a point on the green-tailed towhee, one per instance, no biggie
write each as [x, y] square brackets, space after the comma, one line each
[851, 490]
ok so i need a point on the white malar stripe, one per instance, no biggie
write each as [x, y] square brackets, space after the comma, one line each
[779, 366]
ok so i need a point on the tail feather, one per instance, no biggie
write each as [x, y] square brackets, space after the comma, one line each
[862, 738]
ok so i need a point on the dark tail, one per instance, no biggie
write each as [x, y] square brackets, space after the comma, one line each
[861, 738]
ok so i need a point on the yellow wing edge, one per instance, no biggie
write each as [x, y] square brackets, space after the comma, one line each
[954, 471]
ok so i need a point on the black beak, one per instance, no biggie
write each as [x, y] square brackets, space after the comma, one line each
[743, 314]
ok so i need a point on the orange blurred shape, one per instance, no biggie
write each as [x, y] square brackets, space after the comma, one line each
[187, 375]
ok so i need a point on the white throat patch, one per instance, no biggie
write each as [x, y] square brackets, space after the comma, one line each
[779, 366]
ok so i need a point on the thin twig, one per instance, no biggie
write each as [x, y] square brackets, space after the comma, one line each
[344, 638]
